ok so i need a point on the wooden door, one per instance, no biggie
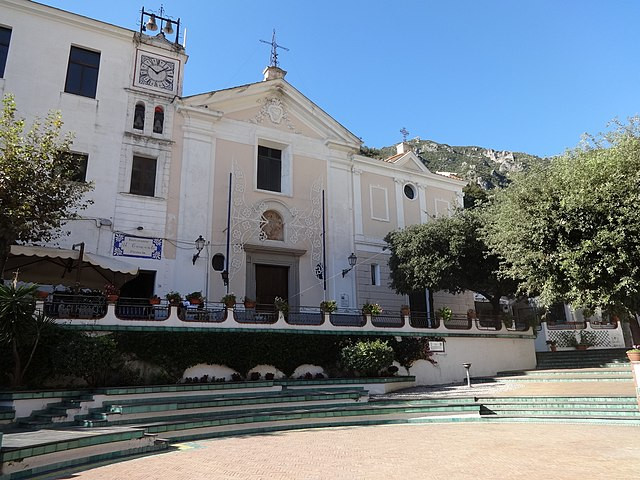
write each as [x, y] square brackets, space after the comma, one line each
[271, 281]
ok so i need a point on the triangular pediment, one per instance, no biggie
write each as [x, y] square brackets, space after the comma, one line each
[409, 161]
[275, 104]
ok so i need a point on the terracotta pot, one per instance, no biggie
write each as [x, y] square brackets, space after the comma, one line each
[42, 294]
[634, 356]
[249, 304]
[405, 311]
[230, 304]
[112, 298]
[154, 301]
[194, 301]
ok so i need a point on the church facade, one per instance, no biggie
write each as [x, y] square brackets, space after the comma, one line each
[266, 179]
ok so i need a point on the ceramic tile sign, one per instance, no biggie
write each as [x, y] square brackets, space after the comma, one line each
[139, 247]
[436, 346]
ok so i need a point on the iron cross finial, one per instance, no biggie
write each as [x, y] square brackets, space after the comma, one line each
[405, 134]
[274, 52]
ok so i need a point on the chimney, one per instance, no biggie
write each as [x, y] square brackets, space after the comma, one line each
[273, 73]
[402, 148]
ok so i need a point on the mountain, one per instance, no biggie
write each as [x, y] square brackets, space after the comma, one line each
[487, 167]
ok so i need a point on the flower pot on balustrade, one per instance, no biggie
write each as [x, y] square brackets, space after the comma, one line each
[405, 311]
[112, 298]
[634, 355]
[42, 295]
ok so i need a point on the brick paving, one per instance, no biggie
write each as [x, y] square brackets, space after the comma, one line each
[436, 451]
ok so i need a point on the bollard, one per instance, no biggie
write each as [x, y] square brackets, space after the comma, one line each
[467, 366]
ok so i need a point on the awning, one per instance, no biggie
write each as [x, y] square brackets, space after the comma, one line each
[54, 266]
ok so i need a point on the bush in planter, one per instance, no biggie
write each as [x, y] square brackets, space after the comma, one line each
[328, 306]
[371, 309]
[444, 314]
[195, 297]
[367, 357]
[174, 298]
[281, 305]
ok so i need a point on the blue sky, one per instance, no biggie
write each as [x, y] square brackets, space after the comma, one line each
[522, 75]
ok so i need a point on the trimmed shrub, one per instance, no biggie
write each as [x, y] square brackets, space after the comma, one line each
[367, 357]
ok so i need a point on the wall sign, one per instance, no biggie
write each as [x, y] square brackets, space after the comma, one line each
[139, 247]
[436, 346]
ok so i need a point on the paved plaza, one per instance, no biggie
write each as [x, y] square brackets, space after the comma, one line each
[433, 451]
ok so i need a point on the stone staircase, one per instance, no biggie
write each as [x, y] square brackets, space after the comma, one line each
[569, 386]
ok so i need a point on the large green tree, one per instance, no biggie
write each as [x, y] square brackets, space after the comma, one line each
[37, 193]
[571, 231]
[447, 254]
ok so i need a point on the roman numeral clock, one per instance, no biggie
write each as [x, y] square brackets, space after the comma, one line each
[156, 72]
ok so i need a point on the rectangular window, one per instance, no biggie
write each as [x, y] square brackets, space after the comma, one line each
[143, 176]
[82, 72]
[5, 37]
[80, 161]
[269, 169]
[375, 274]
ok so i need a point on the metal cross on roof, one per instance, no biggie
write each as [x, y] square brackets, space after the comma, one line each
[274, 51]
[405, 134]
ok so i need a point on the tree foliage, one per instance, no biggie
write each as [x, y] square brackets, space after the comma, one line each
[447, 254]
[571, 231]
[37, 193]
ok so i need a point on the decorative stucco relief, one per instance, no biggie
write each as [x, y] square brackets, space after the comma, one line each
[275, 110]
[302, 228]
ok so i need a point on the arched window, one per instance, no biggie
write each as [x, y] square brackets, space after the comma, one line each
[158, 120]
[272, 226]
[138, 116]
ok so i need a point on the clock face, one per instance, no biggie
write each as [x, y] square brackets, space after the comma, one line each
[156, 72]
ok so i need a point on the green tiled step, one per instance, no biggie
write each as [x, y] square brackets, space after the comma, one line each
[599, 378]
[425, 401]
[559, 410]
[140, 413]
[16, 446]
[566, 372]
[293, 422]
[64, 469]
[7, 413]
[169, 429]
[568, 364]
[541, 419]
[329, 422]
[200, 416]
[182, 387]
[345, 381]
[627, 400]
[27, 395]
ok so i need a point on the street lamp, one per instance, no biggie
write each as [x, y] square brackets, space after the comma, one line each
[200, 243]
[352, 263]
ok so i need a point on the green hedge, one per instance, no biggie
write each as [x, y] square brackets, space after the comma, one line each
[100, 360]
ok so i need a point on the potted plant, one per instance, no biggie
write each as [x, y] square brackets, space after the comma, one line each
[587, 339]
[174, 298]
[42, 294]
[195, 298]
[553, 345]
[371, 309]
[444, 314]
[281, 305]
[249, 302]
[634, 354]
[404, 310]
[111, 292]
[328, 306]
[229, 300]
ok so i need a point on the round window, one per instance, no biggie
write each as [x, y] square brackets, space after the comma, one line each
[409, 191]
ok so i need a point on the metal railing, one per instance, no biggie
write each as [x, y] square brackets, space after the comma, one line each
[305, 316]
[347, 318]
[422, 320]
[388, 320]
[458, 322]
[62, 305]
[262, 314]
